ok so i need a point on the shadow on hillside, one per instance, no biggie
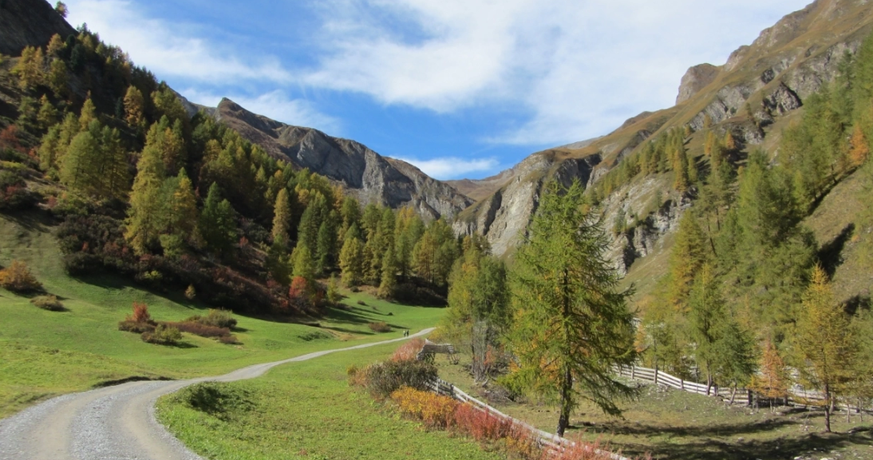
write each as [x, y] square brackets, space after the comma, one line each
[693, 431]
[831, 253]
[30, 220]
[782, 448]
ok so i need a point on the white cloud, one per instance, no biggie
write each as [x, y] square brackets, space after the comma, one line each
[452, 168]
[578, 68]
[276, 105]
[169, 49]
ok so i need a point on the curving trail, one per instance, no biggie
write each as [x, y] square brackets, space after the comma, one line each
[118, 422]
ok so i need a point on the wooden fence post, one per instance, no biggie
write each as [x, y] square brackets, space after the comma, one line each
[633, 371]
[656, 375]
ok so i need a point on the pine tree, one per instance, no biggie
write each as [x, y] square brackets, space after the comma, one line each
[351, 261]
[57, 79]
[88, 114]
[218, 222]
[281, 219]
[325, 253]
[688, 256]
[183, 217]
[303, 264]
[30, 68]
[134, 107]
[144, 215]
[48, 114]
[772, 382]
[823, 341]
[571, 324]
[388, 282]
[860, 150]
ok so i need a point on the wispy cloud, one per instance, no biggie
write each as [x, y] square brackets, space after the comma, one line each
[171, 49]
[452, 167]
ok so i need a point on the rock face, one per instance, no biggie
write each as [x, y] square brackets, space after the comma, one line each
[504, 216]
[695, 79]
[29, 23]
[785, 64]
[364, 173]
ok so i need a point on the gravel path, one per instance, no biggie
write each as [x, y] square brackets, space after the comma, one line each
[115, 423]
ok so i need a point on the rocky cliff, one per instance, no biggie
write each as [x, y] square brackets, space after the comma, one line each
[28, 22]
[759, 84]
[364, 173]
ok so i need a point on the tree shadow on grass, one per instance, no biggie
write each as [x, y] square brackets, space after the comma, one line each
[786, 448]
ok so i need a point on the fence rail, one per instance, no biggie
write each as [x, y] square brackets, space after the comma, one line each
[797, 396]
[545, 439]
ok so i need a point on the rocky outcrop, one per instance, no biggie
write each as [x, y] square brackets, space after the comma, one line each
[503, 217]
[695, 79]
[364, 173]
[29, 23]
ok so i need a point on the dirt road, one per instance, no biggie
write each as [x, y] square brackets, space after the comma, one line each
[115, 423]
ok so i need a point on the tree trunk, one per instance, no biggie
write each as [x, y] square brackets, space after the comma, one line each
[827, 394]
[566, 402]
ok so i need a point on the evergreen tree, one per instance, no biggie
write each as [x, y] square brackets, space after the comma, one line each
[688, 256]
[48, 114]
[303, 264]
[144, 215]
[57, 79]
[182, 225]
[30, 68]
[351, 260]
[88, 114]
[134, 107]
[218, 222]
[325, 253]
[281, 219]
[823, 342]
[388, 282]
[571, 324]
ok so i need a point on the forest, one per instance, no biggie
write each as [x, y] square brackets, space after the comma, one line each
[178, 201]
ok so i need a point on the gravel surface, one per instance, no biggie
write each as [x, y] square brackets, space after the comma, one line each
[114, 423]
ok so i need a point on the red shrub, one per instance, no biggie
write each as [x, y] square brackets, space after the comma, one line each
[581, 451]
[409, 350]
[200, 329]
[479, 424]
[141, 313]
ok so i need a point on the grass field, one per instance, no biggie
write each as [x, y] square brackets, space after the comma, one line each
[44, 353]
[307, 410]
[672, 424]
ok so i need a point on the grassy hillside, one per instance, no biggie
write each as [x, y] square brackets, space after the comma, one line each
[45, 353]
[307, 410]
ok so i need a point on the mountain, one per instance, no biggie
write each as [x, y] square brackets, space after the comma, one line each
[370, 177]
[753, 95]
[26, 22]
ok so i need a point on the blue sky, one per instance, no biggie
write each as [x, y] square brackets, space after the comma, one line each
[458, 88]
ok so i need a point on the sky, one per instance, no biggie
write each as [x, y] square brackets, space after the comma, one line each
[461, 89]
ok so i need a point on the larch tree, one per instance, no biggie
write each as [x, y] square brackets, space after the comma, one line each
[352, 260]
[388, 281]
[183, 223]
[56, 79]
[281, 219]
[30, 68]
[571, 324]
[134, 107]
[859, 149]
[143, 224]
[823, 342]
[218, 221]
[772, 381]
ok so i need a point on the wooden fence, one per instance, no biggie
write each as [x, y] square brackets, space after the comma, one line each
[797, 395]
[545, 439]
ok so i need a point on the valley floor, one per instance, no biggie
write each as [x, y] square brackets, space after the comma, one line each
[672, 424]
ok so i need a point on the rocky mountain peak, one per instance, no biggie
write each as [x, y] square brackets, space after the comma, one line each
[364, 173]
[695, 79]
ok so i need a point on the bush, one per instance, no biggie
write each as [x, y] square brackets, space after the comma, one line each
[141, 313]
[129, 325]
[385, 378]
[216, 318]
[479, 424]
[203, 330]
[380, 326]
[190, 293]
[18, 278]
[48, 302]
[229, 339]
[436, 411]
[409, 350]
[163, 335]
